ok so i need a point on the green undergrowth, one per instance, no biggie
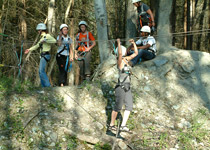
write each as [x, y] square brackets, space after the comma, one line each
[10, 85]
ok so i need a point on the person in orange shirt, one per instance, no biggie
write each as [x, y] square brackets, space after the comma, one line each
[85, 42]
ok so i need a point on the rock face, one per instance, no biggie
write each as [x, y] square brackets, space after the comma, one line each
[169, 92]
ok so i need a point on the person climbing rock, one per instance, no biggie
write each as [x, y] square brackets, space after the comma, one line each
[44, 45]
[85, 42]
[63, 53]
[122, 89]
[146, 47]
[145, 15]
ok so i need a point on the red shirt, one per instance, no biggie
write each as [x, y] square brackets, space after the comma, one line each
[83, 37]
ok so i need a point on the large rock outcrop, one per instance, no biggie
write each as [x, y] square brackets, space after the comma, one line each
[171, 102]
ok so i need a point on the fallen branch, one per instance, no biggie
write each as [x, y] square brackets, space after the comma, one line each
[32, 119]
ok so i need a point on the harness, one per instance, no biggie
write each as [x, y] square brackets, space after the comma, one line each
[124, 85]
[82, 44]
[65, 47]
[42, 54]
[143, 17]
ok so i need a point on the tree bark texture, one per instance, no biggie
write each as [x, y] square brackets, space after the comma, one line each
[101, 21]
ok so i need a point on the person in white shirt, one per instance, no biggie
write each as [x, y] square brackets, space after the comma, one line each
[64, 53]
[146, 46]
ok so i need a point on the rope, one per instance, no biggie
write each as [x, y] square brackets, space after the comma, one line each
[83, 108]
[205, 31]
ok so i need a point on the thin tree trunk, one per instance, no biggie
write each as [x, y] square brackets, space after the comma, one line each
[131, 21]
[101, 20]
[185, 24]
[51, 17]
[23, 25]
[188, 25]
[71, 74]
[68, 9]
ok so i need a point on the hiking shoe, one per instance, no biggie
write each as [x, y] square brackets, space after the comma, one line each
[124, 129]
[112, 128]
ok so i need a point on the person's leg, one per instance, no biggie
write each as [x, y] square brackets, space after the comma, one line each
[125, 117]
[135, 60]
[42, 74]
[113, 117]
[148, 55]
[128, 108]
[87, 64]
[61, 65]
[119, 96]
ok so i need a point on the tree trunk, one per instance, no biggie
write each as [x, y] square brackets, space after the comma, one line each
[101, 20]
[164, 36]
[189, 43]
[23, 25]
[51, 17]
[68, 9]
[71, 74]
[131, 21]
[185, 24]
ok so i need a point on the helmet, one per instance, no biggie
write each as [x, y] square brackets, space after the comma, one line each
[41, 26]
[63, 26]
[82, 23]
[146, 29]
[135, 1]
[123, 49]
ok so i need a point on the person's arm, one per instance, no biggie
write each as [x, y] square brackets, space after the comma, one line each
[71, 53]
[35, 47]
[59, 41]
[144, 47]
[135, 50]
[119, 61]
[92, 39]
[50, 39]
[152, 17]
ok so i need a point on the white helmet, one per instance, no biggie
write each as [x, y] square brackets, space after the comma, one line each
[63, 26]
[123, 49]
[135, 1]
[82, 23]
[146, 29]
[41, 26]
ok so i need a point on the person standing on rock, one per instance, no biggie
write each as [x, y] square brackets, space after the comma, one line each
[145, 15]
[63, 53]
[44, 45]
[85, 42]
[122, 89]
[146, 47]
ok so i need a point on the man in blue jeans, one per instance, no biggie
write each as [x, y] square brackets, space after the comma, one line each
[146, 47]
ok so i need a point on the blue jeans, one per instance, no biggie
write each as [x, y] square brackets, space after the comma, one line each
[42, 74]
[142, 54]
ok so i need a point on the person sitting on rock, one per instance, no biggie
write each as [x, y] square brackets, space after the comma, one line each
[146, 47]
[122, 89]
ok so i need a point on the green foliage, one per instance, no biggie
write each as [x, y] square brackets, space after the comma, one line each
[72, 143]
[163, 140]
[98, 146]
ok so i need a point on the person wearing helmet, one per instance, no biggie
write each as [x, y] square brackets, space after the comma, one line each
[44, 45]
[122, 89]
[145, 15]
[146, 46]
[85, 42]
[64, 51]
